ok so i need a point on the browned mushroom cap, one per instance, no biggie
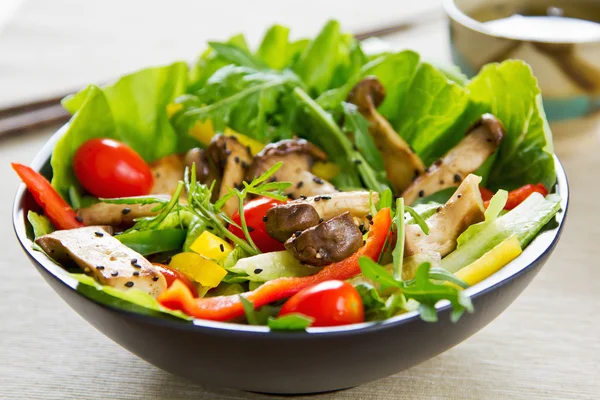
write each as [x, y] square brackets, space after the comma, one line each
[464, 158]
[298, 156]
[206, 169]
[284, 220]
[224, 161]
[328, 242]
[463, 209]
[401, 163]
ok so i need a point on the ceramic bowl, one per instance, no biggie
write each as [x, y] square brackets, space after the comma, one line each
[322, 359]
[568, 71]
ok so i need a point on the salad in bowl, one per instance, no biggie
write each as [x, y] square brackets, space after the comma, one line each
[306, 183]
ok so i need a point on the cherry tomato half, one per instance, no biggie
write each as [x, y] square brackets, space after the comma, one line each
[171, 275]
[254, 212]
[108, 168]
[330, 303]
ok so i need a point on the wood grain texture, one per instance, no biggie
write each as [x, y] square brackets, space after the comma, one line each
[546, 345]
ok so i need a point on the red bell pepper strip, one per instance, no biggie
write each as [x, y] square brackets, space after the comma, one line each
[55, 207]
[515, 197]
[224, 308]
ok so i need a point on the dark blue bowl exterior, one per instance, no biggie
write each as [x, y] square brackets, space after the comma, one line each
[233, 356]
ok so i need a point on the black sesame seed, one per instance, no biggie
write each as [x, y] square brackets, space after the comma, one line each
[250, 229]
[297, 233]
[318, 198]
[99, 234]
[129, 284]
[291, 196]
[211, 228]
[299, 184]
[364, 242]
[488, 140]
[438, 162]
[325, 197]
[125, 211]
[265, 218]
[361, 227]
[318, 180]
[321, 220]
[114, 273]
[421, 193]
[135, 273]
[273, 179]
[357, 162]
[442, 182]
[369, 217]
[426, 170]
[155, 278]
[236, 159]
[100, 267]
[303, 197]
[222, 248]
[459, 196]
[133, 261]
[78, 218]
[457, 178]
[370, 222]
[354, 147]
[248, 150]
[245, 165]
[258, 270]
[438, 209]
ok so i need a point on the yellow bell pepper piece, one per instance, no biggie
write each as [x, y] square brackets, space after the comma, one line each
[203, 131]
[173, 108]
[211, 246]
[204, 271]
[325, 170]
[491, 261]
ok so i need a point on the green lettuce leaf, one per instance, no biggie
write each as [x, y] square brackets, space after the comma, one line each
[290, 322]
[131, 300]
[133, 110]
[40, 224]
[510, 92]
[275, 47]
[268, 266]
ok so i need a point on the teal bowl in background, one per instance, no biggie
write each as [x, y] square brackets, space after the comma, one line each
[568, 72]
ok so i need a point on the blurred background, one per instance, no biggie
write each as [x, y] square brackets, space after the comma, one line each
[545, 346]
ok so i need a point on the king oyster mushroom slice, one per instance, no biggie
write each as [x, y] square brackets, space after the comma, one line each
[401, 163]
[167, 172]
[298, 156]
[464, 158]
[284, 220]
[357, 203]
[225, 161]
[462, 210]
[327, 242]
[99, 254]
[121, 215]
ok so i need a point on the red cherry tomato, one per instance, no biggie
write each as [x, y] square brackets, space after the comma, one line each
[330, 303]
[107, 168]
[254, 212]
[171, 275]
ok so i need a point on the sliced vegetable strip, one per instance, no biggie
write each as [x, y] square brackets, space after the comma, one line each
[55, 207]
[515, 197]
[223, 308]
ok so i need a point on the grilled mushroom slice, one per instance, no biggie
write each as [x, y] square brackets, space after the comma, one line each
[468, 155]
[225, 161]
[167, 172]
[99, 254]
[328, 242]
[298, 156]
[119, 215]
[401, 163]
[357, 203]
[284, 220]
[463, 209]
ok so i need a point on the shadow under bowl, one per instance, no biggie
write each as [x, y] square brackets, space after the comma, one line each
[322, 359]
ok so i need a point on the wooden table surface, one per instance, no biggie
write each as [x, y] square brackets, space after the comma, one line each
[546, 345]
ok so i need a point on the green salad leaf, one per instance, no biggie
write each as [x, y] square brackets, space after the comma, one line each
[510, 92]
[274, 50]
[131, 300]
[290, 322]
[40, 224]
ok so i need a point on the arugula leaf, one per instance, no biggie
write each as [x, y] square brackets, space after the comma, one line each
[377, 273]
[237, 55]
[428, 294]
[510, 92]
[260, 316]
[243, 98]
[386, 199]
[376, 308]
[290, 322]
[275, 46]
[398, 252]
[417, 219]
[324, 58]
[358, 126]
